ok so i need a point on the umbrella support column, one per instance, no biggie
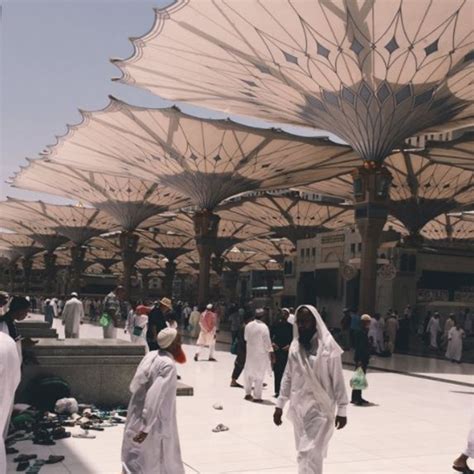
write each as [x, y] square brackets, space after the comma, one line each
[50, 270]
[27, 266]
[128, 247]
[371, 192]
[206, 225]
[78, 253]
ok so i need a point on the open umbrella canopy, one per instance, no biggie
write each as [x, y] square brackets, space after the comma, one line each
[459, 152]
[288, 215]
[449, 227]
[170, 246]
[19, 244]
[423, 186]
[45, 236]
[129, 201]
[76, 223]
[373, 73]
[205, 160]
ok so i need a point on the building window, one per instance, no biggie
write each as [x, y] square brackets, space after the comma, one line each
[359, 247]
[353, 249]
[404, 263]
[302, 254]
[307, 252]
[313, 251]
[412, 263]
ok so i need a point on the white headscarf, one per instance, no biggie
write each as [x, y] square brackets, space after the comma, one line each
[326, 342]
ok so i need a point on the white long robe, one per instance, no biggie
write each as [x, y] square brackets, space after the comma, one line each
[259, 346]
[73, 314]
[433, 329]
[10, 374]
[314, 385]
[454, 350]
[152, 409]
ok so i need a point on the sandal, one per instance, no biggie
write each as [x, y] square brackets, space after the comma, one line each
[85, 435]
[23, 466]
[54, 459]
[25, 457]
[220, 427]
[464, 470]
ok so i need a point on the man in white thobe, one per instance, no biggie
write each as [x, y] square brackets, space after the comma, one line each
[207, 335]
[73, 316]
[391, 329]
[10, 375]
[314, 385]
[434, 329]
[455, 336]
[259, 357]
[151, 440]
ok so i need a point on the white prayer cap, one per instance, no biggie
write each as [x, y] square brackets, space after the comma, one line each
[209, 306]
[74, 294]
[166, 337]
[365, 317]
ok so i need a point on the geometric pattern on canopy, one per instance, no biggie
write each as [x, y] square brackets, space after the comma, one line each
[130, 201]
[373, 73]
[449, 227]
[288, 216]
[204, 159]
[77, 223]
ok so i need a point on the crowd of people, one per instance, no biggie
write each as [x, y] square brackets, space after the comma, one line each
[296, 345]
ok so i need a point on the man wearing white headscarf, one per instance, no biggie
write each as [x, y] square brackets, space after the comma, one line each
[151, 440]
[10, 374]
[314, 385]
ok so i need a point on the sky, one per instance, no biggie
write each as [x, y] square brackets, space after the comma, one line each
[55, 59]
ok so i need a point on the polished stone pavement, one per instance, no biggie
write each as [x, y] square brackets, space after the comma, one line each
[419, 425]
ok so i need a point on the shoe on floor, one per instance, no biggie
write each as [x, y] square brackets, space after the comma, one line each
[196, 357]
[257, 400]
[23, 466]
[236, 384]
[211, 359]
[220, 427]
[248, 398]
[25, 457]
[11, 450]
[54, 459]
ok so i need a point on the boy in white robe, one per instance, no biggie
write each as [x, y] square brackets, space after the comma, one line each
[10, 374]
[259, 358]
[313, 382]
[73, 316]
[151, 440]
[434, 329]
[455, 337]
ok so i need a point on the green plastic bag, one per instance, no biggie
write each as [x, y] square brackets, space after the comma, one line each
[359, 380]
[104, 320]
[233, 347]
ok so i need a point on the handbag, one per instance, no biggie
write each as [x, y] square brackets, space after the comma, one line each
[104, 320]
[359, 380]
[137, 331]
[233, 347]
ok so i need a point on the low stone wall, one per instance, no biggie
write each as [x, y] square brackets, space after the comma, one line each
[99, 371]
[34, 329]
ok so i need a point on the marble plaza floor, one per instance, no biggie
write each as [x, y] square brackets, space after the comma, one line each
[419, 424]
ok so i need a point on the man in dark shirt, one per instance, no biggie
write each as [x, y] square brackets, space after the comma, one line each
[241, 352]
[157, 321]
[281, 334]
[361, 354]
